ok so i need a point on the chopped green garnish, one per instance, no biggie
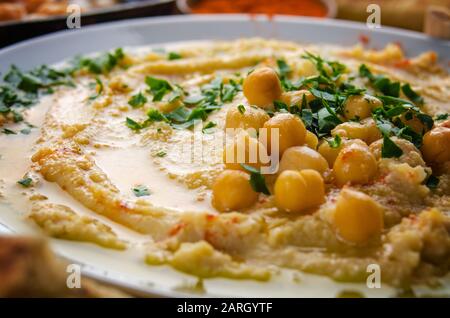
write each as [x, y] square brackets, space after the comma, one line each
[133, 124]
[390, 149]
[194, 99]
[25, 182]
[161, 154]
[412, 95]
[7, 131]
[208, 127]
[158, 87]
[241, 109]
[141, 191]
[98, 87]
[335, 142]
[173, 56]
[442, 116]
[137, 100]
[432, 182]
[100, 64]
[257, 180]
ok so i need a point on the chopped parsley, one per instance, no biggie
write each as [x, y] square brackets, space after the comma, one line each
[442, 116]
[100, 64]
[241, 109]
[161, 153]
[432, 182]
[25, 182]
[7, 131]
[208, 127]
[98, 89]
[335, 142]
[390, 149]
[141, 191]
[257, 180]
[158, 87]
[137, 100]
[133, 124]
[173, 56]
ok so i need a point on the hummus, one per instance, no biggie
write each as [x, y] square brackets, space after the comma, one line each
[111, 163]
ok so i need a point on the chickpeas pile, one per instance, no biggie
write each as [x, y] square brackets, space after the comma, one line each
[18, 10]
[308, 168]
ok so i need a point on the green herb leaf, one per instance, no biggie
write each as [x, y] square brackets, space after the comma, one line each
[241, 109]
[432, 182]
[133, 124]
[161, 154]
[412, 95]
[173, 56]
[158, 87]
[99, 90]
[442, 116]
[7, 131]
[335, 142]
[390, 149]
[25, 182]
[208, 127]
[257, 180]
[141, 191]
[137, 100]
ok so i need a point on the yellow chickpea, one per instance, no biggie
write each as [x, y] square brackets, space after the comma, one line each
[360, 106]
[330, 154]
[354, 164]
[305, 68]
[301, 158]
[296, 97]
[244, 149]
[436, 145]
[246, 117]
[261, 87]
[291, 131]
[311, 140]
[297, 191]
[232, 191]
[411, 155]
[357, 217]
[366, 130]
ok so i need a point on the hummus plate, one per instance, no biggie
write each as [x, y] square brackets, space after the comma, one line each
[126, 156]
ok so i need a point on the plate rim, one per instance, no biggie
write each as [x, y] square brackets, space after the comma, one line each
[202, 18]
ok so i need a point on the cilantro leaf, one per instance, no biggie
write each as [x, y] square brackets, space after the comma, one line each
[158, 87]
[335, 142]
[25, 182]
[257, 180]
[390, 149]
[137, 100]
[141, 191]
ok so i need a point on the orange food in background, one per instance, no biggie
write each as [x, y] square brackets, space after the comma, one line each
[313, 8]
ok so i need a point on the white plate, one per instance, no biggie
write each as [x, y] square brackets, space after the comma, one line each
[129, 271]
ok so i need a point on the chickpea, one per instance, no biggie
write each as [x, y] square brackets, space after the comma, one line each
[250, 118]
[366, 130]
[262, 87]
[357, 217]
[52, 8]
[306, 68]
[411, 155]
[436, 145]
[301, 158]
[311, 140]
[232, 191]
[360, 106]
[296, 191]
[296, 97]
[354, 164]
[291, 131]
[244, 149]
[330, 154]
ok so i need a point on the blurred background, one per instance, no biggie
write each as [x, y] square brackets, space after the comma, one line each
[22, 19]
